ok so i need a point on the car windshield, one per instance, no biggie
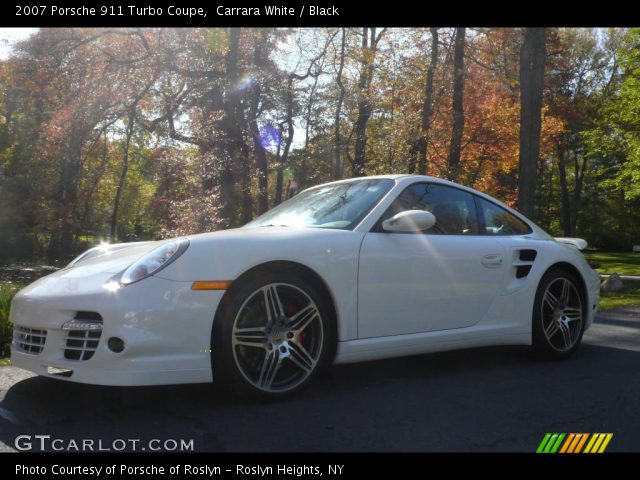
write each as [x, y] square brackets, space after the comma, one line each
[340, 205]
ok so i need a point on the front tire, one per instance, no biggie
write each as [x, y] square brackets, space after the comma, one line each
[272, 335]
[559, 315]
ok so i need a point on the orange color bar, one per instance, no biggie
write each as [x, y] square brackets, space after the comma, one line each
[211, 285]
[582, 442]
[567, 442]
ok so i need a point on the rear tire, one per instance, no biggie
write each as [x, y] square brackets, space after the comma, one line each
[272, 335]
[559, 315]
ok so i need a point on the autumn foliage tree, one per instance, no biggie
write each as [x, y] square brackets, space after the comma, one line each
[128, 134]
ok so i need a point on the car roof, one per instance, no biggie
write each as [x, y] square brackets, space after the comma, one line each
[401, 178]
[408, 179]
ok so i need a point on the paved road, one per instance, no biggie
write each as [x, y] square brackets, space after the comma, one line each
[494, 399]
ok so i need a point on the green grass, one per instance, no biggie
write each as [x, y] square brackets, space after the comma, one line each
[5, 362]
[629, 296]
[623, 263]
[7, 291]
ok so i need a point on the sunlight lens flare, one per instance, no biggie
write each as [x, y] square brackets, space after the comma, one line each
[270, 137]
[244, 83]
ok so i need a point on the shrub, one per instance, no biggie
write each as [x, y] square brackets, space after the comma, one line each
[6, 294]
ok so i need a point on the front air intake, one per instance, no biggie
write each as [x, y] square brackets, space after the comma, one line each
[28, 340]
[82, 335]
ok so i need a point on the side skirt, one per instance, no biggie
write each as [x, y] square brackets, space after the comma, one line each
[417, 343]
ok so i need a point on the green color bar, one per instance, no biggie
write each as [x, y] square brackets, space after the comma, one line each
[543, 443]
[554, 449]
[550, 443]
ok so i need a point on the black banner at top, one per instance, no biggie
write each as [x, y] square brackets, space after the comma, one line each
[286, 13]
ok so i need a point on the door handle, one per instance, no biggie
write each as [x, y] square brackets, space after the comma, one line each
[493, 260]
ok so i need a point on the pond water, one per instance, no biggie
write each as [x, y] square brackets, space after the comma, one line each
[24, 273]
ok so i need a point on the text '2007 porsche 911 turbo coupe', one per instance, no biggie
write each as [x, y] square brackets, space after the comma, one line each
[349, 271]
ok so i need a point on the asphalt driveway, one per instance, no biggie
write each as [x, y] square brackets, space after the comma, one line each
[491, 399]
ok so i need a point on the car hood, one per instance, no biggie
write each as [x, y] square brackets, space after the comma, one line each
[227, 253]
[204, 250]
[113, 260]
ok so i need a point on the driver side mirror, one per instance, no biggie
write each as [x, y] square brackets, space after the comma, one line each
[410, 221]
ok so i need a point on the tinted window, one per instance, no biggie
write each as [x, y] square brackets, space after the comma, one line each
[454, 209]
[497, 221]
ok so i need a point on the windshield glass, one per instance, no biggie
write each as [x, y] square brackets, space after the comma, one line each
[341, 205]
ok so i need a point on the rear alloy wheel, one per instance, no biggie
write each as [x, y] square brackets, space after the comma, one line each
[559, 315]
[276, 338]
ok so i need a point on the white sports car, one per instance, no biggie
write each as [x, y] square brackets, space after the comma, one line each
[349, 271]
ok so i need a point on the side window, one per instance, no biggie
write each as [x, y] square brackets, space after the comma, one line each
[454, 209]
[497, 221]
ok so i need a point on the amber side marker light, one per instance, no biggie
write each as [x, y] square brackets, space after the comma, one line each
[210, 285]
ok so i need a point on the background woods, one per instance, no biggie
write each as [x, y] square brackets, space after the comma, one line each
[131, 134]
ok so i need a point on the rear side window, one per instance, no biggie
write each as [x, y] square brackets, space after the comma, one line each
[497, 221]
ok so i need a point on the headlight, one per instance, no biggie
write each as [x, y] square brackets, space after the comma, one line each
[154, 261]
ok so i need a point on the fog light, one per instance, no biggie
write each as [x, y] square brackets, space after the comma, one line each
[115, 344]
[60, 372]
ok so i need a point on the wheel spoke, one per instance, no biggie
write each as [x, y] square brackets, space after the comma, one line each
[551, 329]
[566, 290]
[270, 368]
[272, 303]
[300, 356]
[573, 313]
[303, 318]
[250, 337]
[550, 299]
[566, 334]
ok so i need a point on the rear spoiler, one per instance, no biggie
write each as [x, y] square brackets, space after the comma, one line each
[579, 243]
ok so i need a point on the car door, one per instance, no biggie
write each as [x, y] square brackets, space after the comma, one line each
[444, 278]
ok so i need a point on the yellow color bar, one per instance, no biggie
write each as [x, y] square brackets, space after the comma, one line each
[210, 285]
[607, 439]
[596, 445]
[593, 439]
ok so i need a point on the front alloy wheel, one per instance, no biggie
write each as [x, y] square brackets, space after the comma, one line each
[272, 335]
[558, 318]
[277, 337]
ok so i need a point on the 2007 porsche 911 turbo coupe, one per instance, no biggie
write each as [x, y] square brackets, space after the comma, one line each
[349, 271]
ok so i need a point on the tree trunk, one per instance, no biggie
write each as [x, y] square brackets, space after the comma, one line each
[282, 160]
[226, 186]
[61, 240]
[96, 180]
[234, 123]
[247, 197]
[565, 218]
[365, 108]
[458, 107]
[279, 173]
[261, 156]
[427, 107]
[532, 59]
[337, 164]
[303, 175]
[113, 230]
[579, 165]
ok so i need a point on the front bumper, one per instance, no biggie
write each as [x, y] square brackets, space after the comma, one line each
[593, 294]
[165, 326]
